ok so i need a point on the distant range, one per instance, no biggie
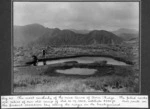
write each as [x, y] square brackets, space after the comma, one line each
[36, 34]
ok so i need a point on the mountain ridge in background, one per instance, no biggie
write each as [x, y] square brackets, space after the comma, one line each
[127, 34]
[37, 34]
[25, 34]
[80, 31]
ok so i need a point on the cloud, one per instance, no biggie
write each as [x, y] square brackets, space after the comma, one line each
[78, 15]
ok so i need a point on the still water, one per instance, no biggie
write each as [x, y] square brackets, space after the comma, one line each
[78, 71]
[85, 60]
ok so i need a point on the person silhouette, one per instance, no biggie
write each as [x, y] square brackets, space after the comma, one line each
[44, 53]
[35, 60]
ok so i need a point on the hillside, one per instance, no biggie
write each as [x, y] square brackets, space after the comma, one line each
[127, 34]
[67, 37]
[80, 31]
[39, 35]
[105, 37]
[26, 34]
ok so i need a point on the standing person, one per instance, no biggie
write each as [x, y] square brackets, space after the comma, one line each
[44, 53]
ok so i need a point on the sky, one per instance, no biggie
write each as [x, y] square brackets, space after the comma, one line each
[78, 15]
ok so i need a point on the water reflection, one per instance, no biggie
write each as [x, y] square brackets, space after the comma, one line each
[78, 71]
[85, 60]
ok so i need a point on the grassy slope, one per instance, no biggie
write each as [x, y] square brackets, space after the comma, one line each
[22, 55]
[29, 79]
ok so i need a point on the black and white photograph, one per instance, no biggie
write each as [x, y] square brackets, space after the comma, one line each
[76, 47]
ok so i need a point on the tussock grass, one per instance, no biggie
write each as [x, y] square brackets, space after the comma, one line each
[71, 84]
[28, 79]
[23, 54]
[111, 81]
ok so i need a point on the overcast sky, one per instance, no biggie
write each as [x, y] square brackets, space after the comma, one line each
[78, 15]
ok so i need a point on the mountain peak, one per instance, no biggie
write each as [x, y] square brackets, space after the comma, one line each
[38, 34]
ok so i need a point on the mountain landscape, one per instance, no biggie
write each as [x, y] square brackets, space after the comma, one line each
[82, 47]
[80, 31]
[127, 34]
[110, 47]
[28, 33]
[67, 37]
[38, 34]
